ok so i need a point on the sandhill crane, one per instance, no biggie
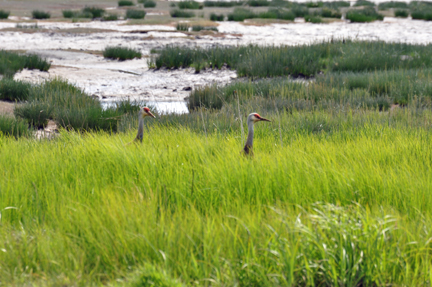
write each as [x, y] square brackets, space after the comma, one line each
[251, 120]
[144, 112]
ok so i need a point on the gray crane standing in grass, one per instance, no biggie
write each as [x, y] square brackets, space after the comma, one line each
[251, 120]
[144, 112]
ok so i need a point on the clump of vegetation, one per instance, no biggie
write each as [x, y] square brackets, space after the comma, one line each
[401, 13]
[77, 14]
[240, 14]
[367, 14]
[392, 4]
[4, 14]
[10, 63]
[299, 11]
[317, 4]
[31, 26]
[96, 12]
[305, 60]
[423, 14]
[190, 5]
[110, 17]
[181, 14]
[217, 17]
[258, 3]
[37, 14]
[335, 5]
[36, 113]
[148, 3]
[182, 27]
[121, 53]
[328, 13]
[313, 19]
[11, 90]
[227, 4]
[121, 3]
[12, 127]
[135, 14]
[364, 3]
[273, 13]
[197, 28]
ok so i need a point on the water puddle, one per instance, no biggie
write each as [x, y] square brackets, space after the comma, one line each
[161, 107]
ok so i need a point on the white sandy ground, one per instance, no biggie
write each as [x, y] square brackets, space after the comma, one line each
[110, 80]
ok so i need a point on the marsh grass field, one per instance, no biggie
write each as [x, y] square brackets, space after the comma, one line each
[337, 192]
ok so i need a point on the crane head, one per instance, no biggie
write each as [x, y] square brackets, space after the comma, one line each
[255, 117]
[145, 112]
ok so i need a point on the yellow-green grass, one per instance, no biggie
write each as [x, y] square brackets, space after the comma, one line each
[346, 206]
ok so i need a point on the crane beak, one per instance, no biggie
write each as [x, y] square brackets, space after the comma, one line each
[150, 114]
[265, 120]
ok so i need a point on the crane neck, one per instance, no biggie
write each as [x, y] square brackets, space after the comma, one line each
[249, 140]
[140, 133]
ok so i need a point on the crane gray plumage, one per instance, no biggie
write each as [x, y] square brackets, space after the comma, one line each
[144, 112]
[251, 120]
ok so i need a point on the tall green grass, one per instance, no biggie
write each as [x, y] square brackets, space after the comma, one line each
[96, 12]
[181, 14]
[392, 4]
[10, 127]
[11, 62]
[125, 3]
[11, 90]
[341, 198]
[305, 60]
[121, 53]
[364, 3]
[401, 13]
[209, 3]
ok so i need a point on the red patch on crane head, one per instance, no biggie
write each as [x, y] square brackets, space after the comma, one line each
[146, 109]
[258, 116]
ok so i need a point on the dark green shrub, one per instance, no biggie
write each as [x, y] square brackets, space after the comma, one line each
[425, 14]
[135, 14]
[4, 14]
[299, 11]
[273, 13]
[11, 90]
[70, 13]
[401, 13]
[240, 14]
[125, 3]
[35, 113]
[11, 62]
[190, 5]
[110, 17]
[94, 11]
[222, 3]
[149, 4]
[392, 4]
[215, 17]
[364, 3]
[314, 4]
[37, 14]
[327, 13]
[197, 28]
[258, 3]
[367, 14]
[13, 127]
[182, 27]
[181, 14]
[121, 53]
[335, 5]
[313, 19]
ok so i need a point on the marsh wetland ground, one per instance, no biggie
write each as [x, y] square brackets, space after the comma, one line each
[338, 192]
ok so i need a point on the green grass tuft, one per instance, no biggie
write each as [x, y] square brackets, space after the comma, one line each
[121, 3]
[217, 17]
[225, 4]
[96, 12]
[4, 14]
[190, 5]
[121, 53]
[401, 13]
[11, 127]
[37, 14]
[241, 14]
[313, 19]
[181, 14]
[35, 113]
[258, 3]
[367, 14]
[11, 90]
[10, 63]
[149, 3]
[392, 4]
[135, 14]
[364, 3]
[110, 17]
